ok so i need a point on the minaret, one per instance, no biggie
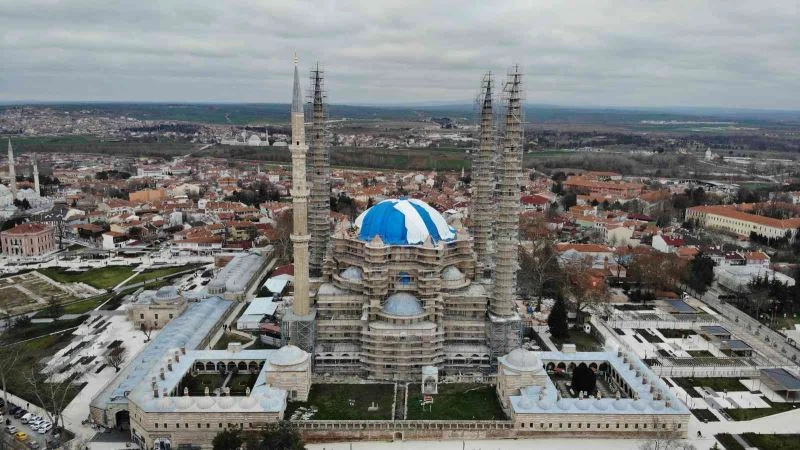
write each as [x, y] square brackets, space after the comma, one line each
[12, 174]
[505, 326]
[298, 324]
[320, 207]
[36, 176]
[483, 180]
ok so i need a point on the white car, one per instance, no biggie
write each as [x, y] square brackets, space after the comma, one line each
[34, 421]
[44, 428]
[26, 418]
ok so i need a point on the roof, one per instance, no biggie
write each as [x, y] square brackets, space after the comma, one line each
[786, 379]
[261, 306]
[736, 344]
[715, 330]
[733, 213]
[403, 222]
[27, 228]
[682, 307]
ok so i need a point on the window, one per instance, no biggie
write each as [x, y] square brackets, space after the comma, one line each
[141, 316]
[198, 425]
[156, 316]
[177, 425]
[186, 425]
[208, 425]
[523, 424]
[579, 425]
[156, 425]
[626, 425]
[220, 425]
[165, 426]
[679, 425]
[608, 425]
[170, 316]
[569, 425]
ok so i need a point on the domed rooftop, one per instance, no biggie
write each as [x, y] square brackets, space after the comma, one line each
[288, 355]
[451, 273]
[167, 293]
[403, 304]
[524, 360]
[403, 222]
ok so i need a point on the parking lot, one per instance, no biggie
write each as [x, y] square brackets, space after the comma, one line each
[12, 425]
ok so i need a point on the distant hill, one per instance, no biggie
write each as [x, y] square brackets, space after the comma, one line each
[259, 113]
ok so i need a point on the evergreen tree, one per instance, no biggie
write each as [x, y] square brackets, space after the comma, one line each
[557, 320]
[227, 440]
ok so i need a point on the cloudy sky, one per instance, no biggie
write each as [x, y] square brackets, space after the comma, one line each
[732, 53]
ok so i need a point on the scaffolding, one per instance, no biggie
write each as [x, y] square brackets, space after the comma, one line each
[319, 168]
[300, 331]
[483, 206]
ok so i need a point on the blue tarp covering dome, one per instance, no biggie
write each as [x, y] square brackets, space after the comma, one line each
[403, 222]
[403, 304]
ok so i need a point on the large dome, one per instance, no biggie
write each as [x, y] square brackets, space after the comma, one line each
[404, 222]
[403, 304]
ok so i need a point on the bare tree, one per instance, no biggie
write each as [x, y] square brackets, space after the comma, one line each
[53, 394]
[664, 439]
[9, 355]
[116, 357]
[147, 330]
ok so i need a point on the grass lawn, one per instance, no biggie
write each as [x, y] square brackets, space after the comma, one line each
[773, 441]
[584, 342]
[675, 334]
[648, 336]
[717, 384]
[32, 352]
[332, 401]
[152, 274]
[226, 338]
[39, 329]
[699, 353]
[456, 402]
[740, 414]
[100, 278]
[704, 415]
[79, 307]
[729, 442]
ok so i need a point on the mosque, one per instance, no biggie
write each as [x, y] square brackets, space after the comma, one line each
[400, 288]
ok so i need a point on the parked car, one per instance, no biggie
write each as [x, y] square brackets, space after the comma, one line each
[35, 422]
[21, 436]
[45, 427]
[11, 429]
[20, 412]
[33, 444]
[26, 417]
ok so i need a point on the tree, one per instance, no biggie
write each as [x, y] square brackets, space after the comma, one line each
[584, 380]
[569, 200]
[54, 307]
[282, 436]
[700, 274]
[147, 330]
[116, 357]
[51, 391]
[10, 356]
[227, 440]
[557, 320]
[283, 241]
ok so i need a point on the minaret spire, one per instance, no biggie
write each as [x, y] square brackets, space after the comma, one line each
[505, 326]
[298, 323]
[483, 179]
[11, 171]
[319, 209]
[36, 176]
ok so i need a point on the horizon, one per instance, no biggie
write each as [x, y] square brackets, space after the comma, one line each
[675, 54]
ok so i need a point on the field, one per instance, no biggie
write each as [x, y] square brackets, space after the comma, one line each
[29, 292]
[77, 307]
[773, 441]
[152, 274]
[456, 402]
[333, 401]
[101, 278]
[717, 384]
[740, 414]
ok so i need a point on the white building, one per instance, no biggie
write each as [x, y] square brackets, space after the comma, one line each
[258, 310]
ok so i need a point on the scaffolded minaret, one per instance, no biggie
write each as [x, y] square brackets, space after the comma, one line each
[36, 176]
[482, 205]
[320, 207]
[12, 174]
[505, 325]
[298, 324]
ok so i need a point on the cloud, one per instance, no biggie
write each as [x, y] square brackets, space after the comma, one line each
[617, 53]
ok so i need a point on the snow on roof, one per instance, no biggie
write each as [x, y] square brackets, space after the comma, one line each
[238, 272]
[544, 399]
[402, 304]
[403, 222]
[187, 330]
[261, 306]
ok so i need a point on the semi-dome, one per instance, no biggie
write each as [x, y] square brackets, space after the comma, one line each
[451, 273]
[352, 273]
[403, 222]
[403, 304]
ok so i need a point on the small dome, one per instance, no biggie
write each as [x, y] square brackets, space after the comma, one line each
[584, 404]
[205, 402]
[403, 304]
[521, 359]
[620, 404]
[225, 402]
[403, 222]
[545, 404]
[451, 273]
[563, 404]
[352, 273]
[657, 405]
[184, 402]
[248, 402]
[526, 402]
[288, 355]
[640, 404]
[165, 402]
[602, 404]
[167, 293]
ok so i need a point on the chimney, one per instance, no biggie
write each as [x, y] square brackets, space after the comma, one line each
[177, 356]
[169, 364]
[183, 349]
[161, 373]
[155, 392]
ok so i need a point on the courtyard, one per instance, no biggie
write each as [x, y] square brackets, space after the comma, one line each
[347, 402]
[457, 401]
[28, 292]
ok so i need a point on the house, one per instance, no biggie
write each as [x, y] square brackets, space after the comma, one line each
[667, 244]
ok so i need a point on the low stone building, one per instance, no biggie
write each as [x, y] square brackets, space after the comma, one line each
[28, 240]
[154, 309]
